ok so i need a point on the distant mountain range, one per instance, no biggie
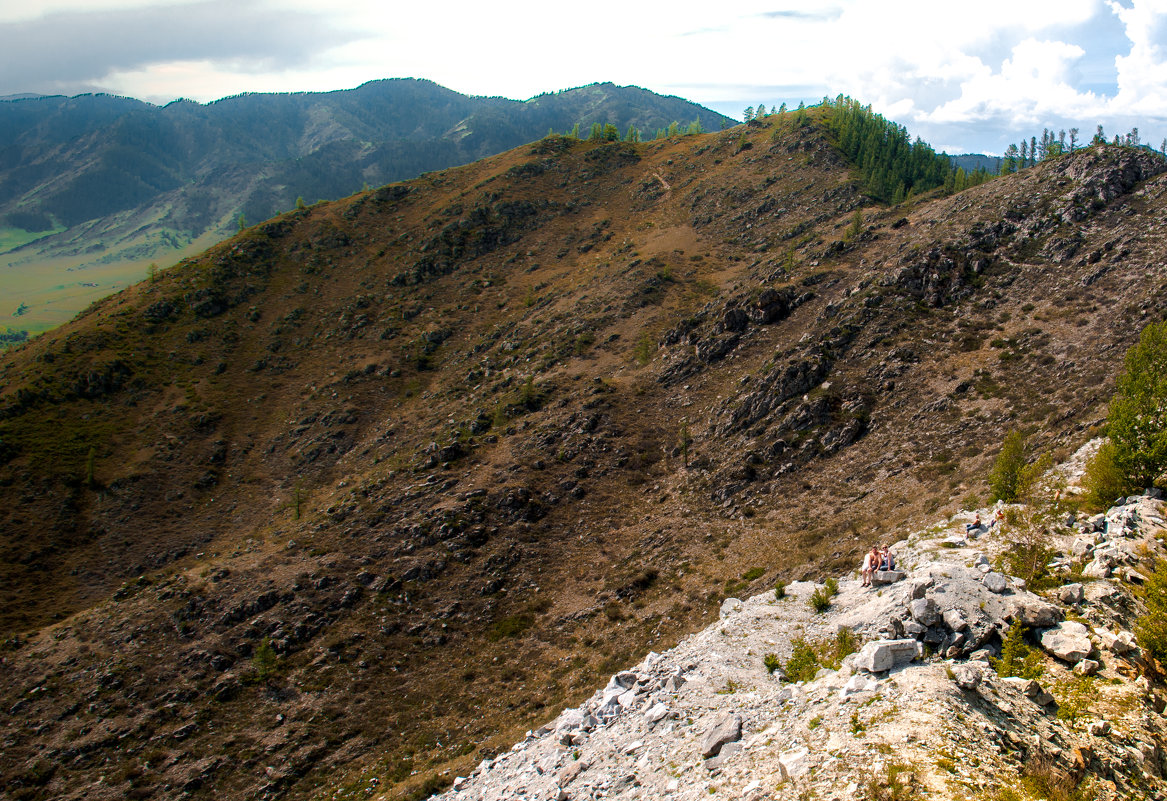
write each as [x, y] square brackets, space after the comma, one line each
[973, 161]
[100, 179]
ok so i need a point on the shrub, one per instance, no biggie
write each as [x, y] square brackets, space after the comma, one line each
[1104, 480]
[1012, 478]
[511, 626]
[771, 662]
[898, 784]
[779, 591]
[753, 573]
[1017, 658]
[831, 586]
[265, 661]
[803, 663]
[820, 600]
[846, 643]
[1136, 423]
[1031, 549]
[1151, 628]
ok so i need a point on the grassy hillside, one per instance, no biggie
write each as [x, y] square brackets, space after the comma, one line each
[458, 446]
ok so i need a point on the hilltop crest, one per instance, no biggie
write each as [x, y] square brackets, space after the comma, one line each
[378, 484]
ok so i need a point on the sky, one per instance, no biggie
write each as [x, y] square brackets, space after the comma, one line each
[967, 77]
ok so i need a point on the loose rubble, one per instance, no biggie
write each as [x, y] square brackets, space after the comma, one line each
[707, 718]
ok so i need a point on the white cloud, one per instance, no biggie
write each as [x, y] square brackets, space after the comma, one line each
[945, 69]
[1142, 74]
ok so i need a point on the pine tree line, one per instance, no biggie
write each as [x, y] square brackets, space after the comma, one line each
[608, 132]
[1028, 154]
[892, 167]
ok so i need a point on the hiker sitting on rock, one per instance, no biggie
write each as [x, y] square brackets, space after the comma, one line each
[886, 560]
[975, 525]
[870, 563]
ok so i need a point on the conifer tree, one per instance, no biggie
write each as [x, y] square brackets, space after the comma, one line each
[761, 112]
[748, 114]
[1033, 151]
[1099, 137]
[1009, 165]
[1136, 421]
[782, 108]
[632, 134]
[1024, 161]
[1073, 138]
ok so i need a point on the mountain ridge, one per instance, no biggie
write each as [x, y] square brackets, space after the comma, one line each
[456, 447]
[108, 180]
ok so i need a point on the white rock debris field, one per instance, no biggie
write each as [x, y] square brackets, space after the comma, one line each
[919, 707]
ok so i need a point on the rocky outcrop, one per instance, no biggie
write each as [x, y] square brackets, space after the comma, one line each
[708, 718]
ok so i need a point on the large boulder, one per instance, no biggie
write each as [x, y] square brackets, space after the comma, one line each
[727, 729]
[995, 582]
[924, 611]
[881, 655]
[1032, 612]
[1068, 641]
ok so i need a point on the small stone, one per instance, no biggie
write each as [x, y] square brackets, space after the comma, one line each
[1097, 569]
[995, 582]
[955, 620]
[1068, 641]
[881, 655]
[966, 676]
[1099, 728]
[880, 577]
[858, 683]
[1087, 667]
[657, 713]
[729, 606]
[793, 764]
[1071, 594]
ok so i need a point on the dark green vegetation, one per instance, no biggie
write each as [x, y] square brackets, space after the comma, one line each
[461, 447]
[1151, 627]
[891, 166]
[1137, 422]
[1134, 457]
